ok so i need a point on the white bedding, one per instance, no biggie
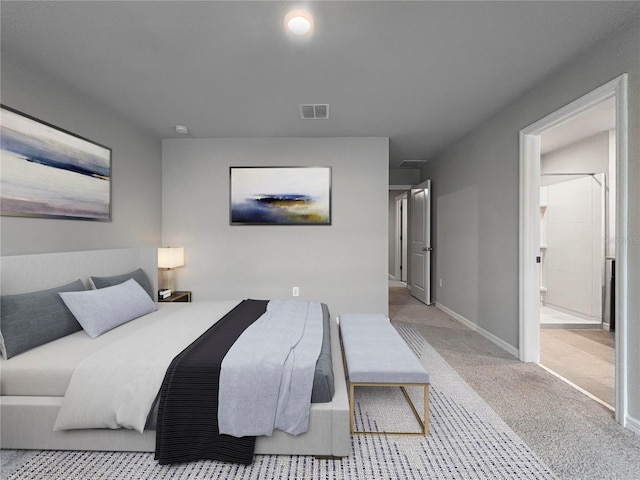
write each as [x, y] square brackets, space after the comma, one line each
[116, 386]
[266, 378]
[47, 370]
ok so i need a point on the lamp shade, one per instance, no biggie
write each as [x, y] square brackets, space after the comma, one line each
[170, 257]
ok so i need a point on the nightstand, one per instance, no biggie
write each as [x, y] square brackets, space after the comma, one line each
[177, 296]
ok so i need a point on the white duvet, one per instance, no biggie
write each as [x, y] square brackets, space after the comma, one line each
[116, 386]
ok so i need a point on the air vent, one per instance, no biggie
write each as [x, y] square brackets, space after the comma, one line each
[412, 163]
[317, 111]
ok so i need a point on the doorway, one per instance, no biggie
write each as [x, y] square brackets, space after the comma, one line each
[401, 237]
[530, 227]
[577, 183]
[410, 239]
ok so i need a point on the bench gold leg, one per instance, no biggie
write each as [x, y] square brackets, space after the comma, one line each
[424, 425]
[426, 410]
[352, 413]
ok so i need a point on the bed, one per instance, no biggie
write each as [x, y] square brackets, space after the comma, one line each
[29, 410]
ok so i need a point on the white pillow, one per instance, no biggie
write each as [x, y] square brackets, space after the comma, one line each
[99, 311]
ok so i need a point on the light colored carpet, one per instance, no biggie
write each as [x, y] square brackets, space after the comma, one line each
[468, 441]
[574, 435]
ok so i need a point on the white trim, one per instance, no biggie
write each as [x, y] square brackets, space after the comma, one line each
[473, 326]
[529, 315]
[397, 261]
[577, 387]
[633, 424]
[398, 235]
[529, 232]
[622, 234]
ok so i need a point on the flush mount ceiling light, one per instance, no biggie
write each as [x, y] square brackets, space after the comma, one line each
[298, 22]
[181, 129]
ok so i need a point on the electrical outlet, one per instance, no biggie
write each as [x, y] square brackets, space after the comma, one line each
[296, 291]
[440, 283]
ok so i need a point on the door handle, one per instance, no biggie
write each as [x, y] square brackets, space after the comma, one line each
[427, 249]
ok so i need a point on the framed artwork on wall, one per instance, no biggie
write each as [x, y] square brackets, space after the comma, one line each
[49, 172]
[280, 195]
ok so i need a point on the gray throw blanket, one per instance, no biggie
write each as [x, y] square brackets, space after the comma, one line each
[267, 376]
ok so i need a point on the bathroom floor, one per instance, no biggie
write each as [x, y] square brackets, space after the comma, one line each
[585, 357]
[550, 318]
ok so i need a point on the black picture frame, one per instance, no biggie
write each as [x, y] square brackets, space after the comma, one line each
[298, 195]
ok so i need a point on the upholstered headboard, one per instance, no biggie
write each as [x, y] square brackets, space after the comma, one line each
[28, 273]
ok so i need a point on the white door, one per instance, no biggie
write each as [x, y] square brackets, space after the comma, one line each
[420, 243]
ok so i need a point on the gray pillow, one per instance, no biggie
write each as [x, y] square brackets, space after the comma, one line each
[99, 311]
[32, 319]
[138, 275]
[323, 380]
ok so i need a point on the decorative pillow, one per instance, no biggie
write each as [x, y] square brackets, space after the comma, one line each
[138, 275]
[32, 319]
[99, 311]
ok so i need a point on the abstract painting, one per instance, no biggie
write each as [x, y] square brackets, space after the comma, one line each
[280, 195]
[48, 172]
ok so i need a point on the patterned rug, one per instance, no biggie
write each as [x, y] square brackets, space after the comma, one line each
[467, 441]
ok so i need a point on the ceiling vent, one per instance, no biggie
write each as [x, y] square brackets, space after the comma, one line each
[412, 163]
[318, 111]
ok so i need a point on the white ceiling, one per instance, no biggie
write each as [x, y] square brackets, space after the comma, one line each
[421, 73]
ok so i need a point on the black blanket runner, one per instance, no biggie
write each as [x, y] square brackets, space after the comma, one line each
[188, 408]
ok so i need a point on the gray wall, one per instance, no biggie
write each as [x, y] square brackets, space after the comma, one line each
[590, 154]
[476, 200]
[404, 176]
[343, 265]
[136, 169]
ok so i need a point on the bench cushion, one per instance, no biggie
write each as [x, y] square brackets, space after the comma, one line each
[376, 353]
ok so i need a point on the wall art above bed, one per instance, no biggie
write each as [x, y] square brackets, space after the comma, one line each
[49, 172]
[280, 195]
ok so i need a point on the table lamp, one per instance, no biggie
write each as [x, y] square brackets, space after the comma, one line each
[168, 259]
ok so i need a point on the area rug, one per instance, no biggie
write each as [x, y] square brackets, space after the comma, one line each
[467, 441]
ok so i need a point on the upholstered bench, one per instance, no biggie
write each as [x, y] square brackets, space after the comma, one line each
[376, 355]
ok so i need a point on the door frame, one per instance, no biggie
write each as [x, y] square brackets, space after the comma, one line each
[402, 237]
[529, 235]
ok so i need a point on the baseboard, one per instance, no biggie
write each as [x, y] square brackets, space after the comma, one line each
[633, 424]
[488, 335]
